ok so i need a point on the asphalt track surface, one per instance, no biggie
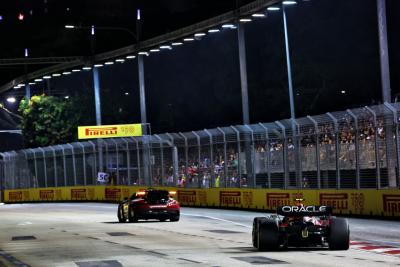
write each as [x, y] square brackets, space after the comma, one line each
[88, 235]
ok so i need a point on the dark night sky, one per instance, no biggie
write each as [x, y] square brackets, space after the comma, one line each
[334, 47]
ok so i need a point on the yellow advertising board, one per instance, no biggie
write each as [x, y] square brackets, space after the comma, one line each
[365, 202]
[109, 131]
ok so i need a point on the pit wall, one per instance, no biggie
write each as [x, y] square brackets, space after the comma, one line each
[385, 203]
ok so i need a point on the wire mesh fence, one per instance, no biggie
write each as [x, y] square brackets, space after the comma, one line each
[356, 148]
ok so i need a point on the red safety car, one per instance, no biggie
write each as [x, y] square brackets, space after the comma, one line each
[301, 226]
[149, 204]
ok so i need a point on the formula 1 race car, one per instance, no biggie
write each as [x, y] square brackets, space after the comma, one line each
[149, 204]
[301, 226]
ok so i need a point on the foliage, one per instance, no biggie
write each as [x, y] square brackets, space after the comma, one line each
[48, 120]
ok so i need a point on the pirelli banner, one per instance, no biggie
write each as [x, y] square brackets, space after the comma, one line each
[350, 202]
[347, 202]
[77, 193]
[109, 131]
[84, 193]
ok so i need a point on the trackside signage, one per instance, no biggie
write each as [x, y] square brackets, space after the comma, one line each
[230, 198]
[187, 196]
[275, 200]
[338, 201]
[109, 131]
[391, 204]
[365, 202]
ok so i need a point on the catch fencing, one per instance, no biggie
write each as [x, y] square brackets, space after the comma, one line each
[352, 149]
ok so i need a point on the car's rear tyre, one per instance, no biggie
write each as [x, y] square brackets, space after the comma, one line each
[120, 214]
[268, 235]
[175, 218]
[132, 217]
[254, 235]
[162, 219]
[339, 236]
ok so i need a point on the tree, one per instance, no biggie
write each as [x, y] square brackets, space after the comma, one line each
[48, 120]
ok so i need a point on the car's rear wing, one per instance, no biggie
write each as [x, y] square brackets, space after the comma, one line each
[304, 210]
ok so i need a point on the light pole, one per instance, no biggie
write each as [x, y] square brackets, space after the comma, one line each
[287, 50]
[27, 86]
[383, 51]
[143, 114]
[288, 61]
[96, 80]
[386, 90]
[95, 71]
[295, 140]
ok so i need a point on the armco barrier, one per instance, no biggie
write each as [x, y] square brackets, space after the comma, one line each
[351, 202]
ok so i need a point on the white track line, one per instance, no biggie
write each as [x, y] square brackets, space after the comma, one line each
[217, 219]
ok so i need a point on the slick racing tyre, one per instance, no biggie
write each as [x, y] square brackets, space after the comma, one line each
[256, 223]
[175, 218]
[268, 235]
[339, 236]
[132, 217]
[121, 214]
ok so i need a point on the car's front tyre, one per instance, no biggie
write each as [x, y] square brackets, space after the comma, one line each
[175, 218]
[132, 217]
[121, 214]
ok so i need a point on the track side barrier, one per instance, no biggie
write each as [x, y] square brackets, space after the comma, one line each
[384, 203]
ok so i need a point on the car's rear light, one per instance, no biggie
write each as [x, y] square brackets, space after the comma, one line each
[172, 202]
[140, 194]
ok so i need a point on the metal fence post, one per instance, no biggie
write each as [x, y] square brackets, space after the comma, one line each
[186, 155]
[117, 166]
[238, 146]
[128, 162]
[267, 151]
[84, 163]
[252, 157]
[377, 165]
[44, 165]
[175, 163]
[317, 151]
[162, 159]
[6, 171]
[357, 148]
[36, 180]
[2, 176]
[94, 167]
[212, 183]
[297, 157]
[337, 150]
[175, 159]
[396, 182]
[138, 159]
[73, 162]
[225, 157]
[198, 154]
[64, 165]
[285, 155]
[55, 166]
[26, 159]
